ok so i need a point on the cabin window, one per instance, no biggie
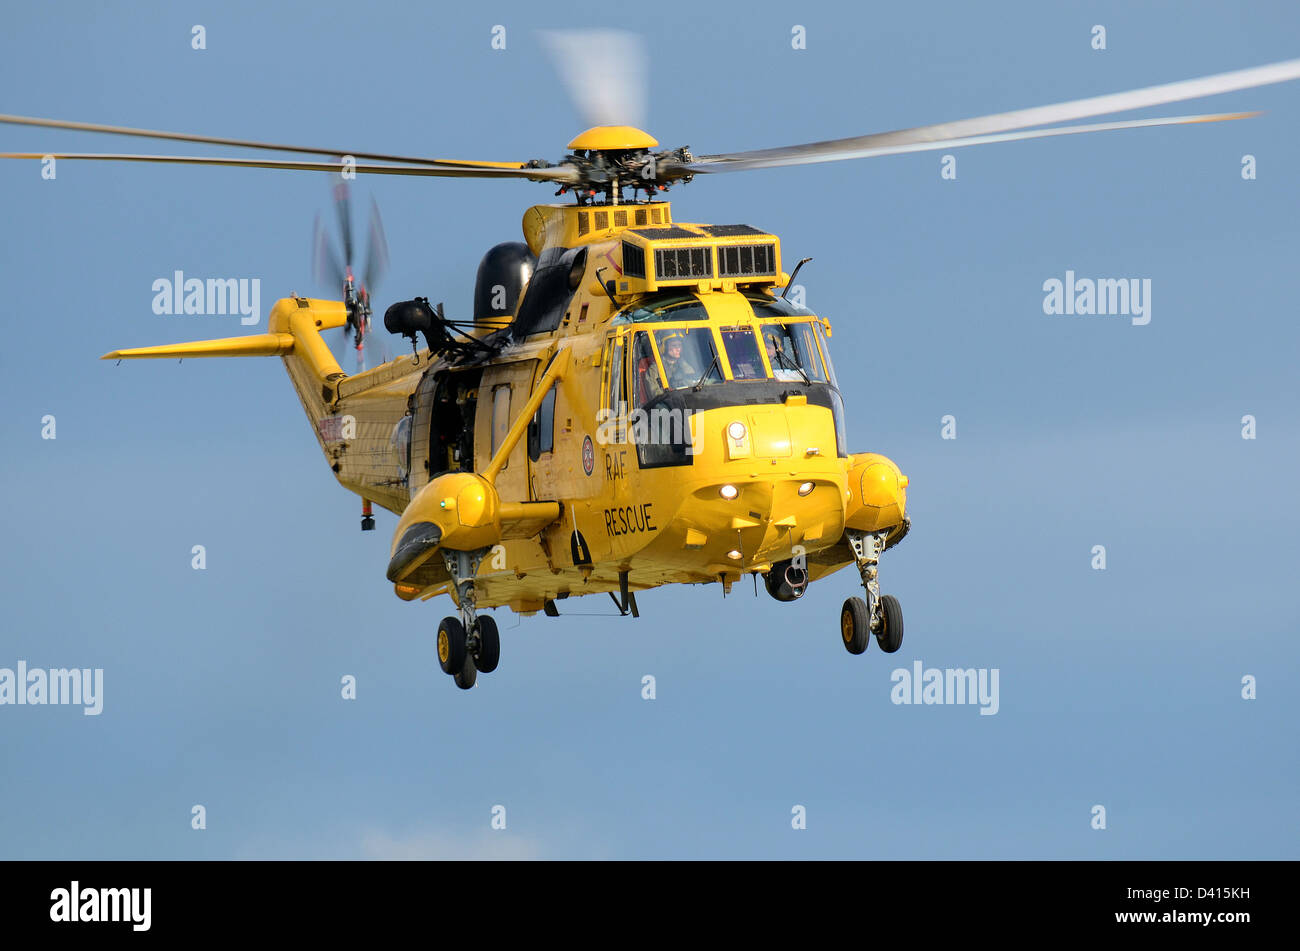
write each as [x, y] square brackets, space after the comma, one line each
[616, 390]
[541, 431]
[500, 416]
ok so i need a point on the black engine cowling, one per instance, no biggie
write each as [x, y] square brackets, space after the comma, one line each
[502, 275]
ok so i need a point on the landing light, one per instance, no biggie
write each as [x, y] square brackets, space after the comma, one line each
[728, 492]
[805, 488]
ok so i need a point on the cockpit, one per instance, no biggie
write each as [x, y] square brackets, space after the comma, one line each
[783, 342]
[684, 352]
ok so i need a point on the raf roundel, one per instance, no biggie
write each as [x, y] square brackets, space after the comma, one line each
[588, 456]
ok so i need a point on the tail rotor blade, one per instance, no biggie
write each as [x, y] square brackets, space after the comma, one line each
[343, 206]
[376, 251]
[326, 268]
[339, 340]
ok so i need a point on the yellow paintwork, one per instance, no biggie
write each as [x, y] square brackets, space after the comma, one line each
[568, 226]
[254, 345]
[613, 138]
[662, 525]
[877, 493]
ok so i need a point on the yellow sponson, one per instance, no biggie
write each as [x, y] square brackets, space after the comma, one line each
[464, 505]
[877, 493]
[470, 514]
[614, 137]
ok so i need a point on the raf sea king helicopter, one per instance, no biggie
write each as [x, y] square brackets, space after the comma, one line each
[635, 402]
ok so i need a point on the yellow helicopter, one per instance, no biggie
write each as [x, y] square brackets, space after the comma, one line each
[636, 400]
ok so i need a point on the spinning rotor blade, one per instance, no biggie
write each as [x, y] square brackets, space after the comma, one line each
[742, 165]
[376, 252]
[984, 128]
[339, 340]
[343, 208]
[561, 174]
[604, 72]
[240, 143]
[326, 268]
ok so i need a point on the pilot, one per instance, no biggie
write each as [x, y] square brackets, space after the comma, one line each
[783, 365]
[679, 371]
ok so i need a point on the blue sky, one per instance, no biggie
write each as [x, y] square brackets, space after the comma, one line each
[1119, 688]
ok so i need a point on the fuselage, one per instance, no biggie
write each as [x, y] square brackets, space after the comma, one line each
[696, 433]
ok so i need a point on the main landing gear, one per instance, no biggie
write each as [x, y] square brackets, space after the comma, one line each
[468, 645]
[878, 614]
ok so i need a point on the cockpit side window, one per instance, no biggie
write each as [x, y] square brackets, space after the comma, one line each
[837, 400]
[647, 384]
[826, 352]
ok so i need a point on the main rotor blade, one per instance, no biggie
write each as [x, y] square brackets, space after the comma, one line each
[604, 73]
[741, 165]
[562, 173]
[241, 143]
[837, 149]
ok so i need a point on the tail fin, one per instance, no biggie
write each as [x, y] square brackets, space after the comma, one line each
[352, 417]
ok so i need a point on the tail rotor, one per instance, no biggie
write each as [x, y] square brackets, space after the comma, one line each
[332, 270]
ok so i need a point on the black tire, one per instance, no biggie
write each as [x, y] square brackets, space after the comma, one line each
[467, 676]
[489, 646]
[890, 635]
[855, 625]
[451, 645]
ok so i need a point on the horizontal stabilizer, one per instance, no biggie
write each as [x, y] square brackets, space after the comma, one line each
[256, 345]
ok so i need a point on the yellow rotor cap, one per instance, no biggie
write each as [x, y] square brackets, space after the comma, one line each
[613, 138]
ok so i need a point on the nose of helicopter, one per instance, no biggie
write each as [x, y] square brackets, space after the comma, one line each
[767, 483]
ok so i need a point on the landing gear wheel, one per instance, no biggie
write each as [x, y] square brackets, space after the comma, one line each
[890, 635]
[467, 675]
[451, 646]
[855, 625]
[488, 653]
